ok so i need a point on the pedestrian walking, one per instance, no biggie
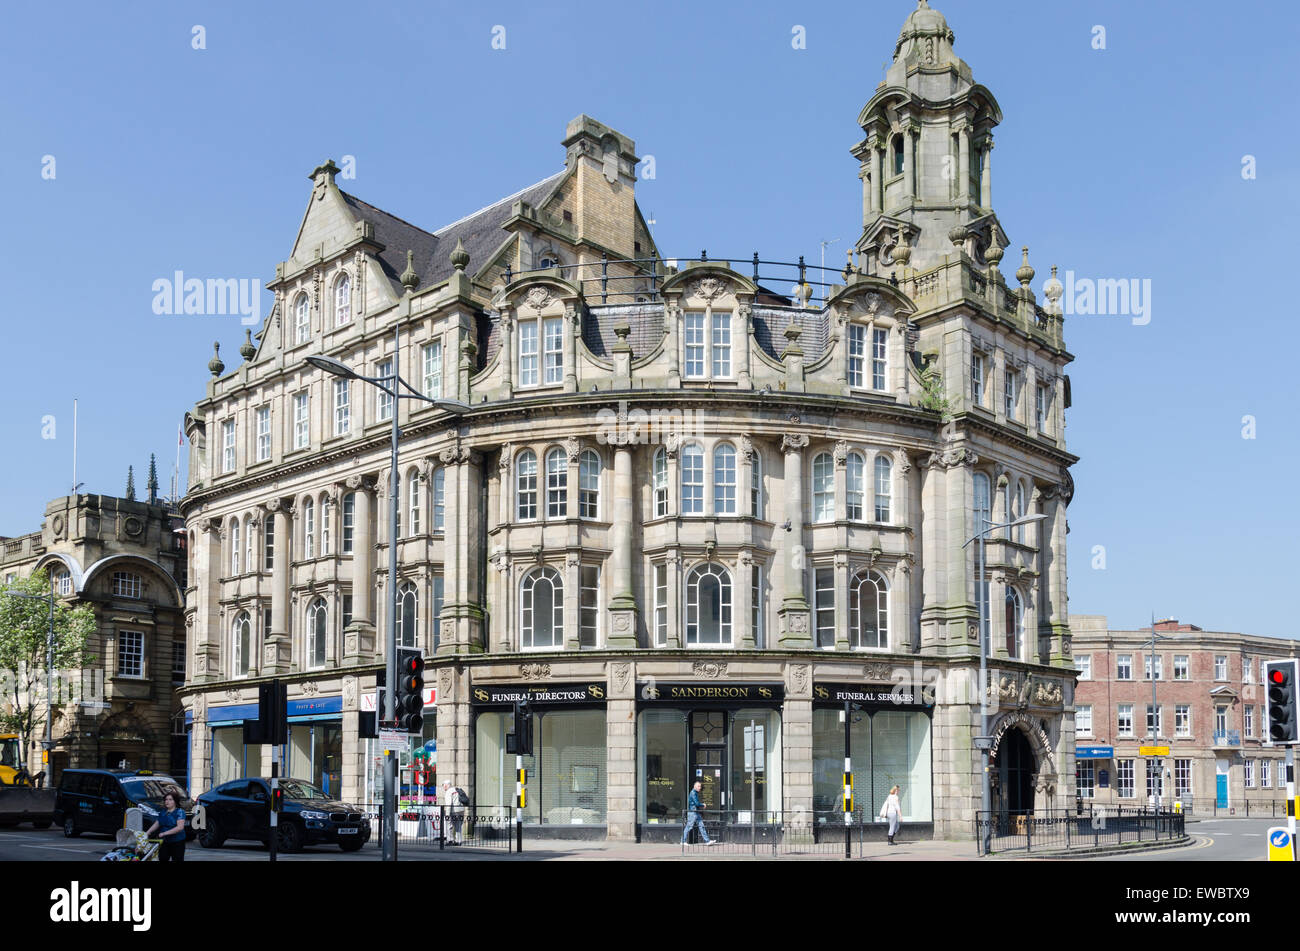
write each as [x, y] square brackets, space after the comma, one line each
[455, 801]
[892, 810]
[172, 823]
[693, 817]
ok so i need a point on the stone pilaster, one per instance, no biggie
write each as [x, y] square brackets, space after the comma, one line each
[793, 614]
[359, 638]
[455, 726]
[620, 751]
[622, 604]
[797, 746]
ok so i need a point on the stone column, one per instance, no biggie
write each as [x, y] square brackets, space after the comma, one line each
[620, 752]
[878, 178]
[868, 194]
[963, 176]
[797, 748]
[451, 567]
[986, 175]
[793, 614]
[569, 343]
[740, 336]
[276, 649]
[672, 321]
[208, 619]
[1057, 499]
[359, 637]
[622, 604]
[572, 576]
[909, 163]
[743, 618]
[673, 560]
[507, 352]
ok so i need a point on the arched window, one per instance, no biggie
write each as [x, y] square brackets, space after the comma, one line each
[413, 500]
[692, 478]
[541, 609]
[756, 484]
[708, 605]
[855, 469]
[896, 146]
[241, 645]
[342, 300]
[823, 480]
[308, 528]
[234, 547]
[661, 483]
[588, 485]
[408, 603]
[724, 479]
[884, 489]
[868, 611]
[1018, 511]
[349, 521]
[302, 320]
[439, 499]
[317, 616]
[526, 485]
[326, 510]
[63, 581]
[1015, 621]
[557, 484]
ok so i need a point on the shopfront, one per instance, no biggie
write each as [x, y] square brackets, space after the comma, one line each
[728, 737]
[889, 732]
[314, 750]
[567, 768]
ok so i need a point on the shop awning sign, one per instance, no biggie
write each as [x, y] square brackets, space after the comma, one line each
[655, 692]
[484, 695]
[879, 696]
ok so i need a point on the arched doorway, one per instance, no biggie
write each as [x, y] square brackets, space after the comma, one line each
[1014, 769]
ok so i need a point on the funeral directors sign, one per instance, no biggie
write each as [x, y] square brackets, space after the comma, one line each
[652, 691]
[505, 694]
[880, 696]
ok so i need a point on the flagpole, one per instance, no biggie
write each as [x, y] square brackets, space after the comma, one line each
[74, 447]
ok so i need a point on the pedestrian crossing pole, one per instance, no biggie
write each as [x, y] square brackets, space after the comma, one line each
[521, 779]
[1290, 795]
[848, 782]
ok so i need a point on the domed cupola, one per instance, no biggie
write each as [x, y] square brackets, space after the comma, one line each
[925, 38]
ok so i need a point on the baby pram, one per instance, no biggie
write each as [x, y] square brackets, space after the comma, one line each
[133, 847]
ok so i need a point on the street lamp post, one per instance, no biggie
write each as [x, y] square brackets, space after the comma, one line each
[985, 741]
[1158, 787]
[393, 385]
[49, 669]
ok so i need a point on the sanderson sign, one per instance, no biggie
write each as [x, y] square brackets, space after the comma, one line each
[869, 695]
[652, 691]
[490, 694]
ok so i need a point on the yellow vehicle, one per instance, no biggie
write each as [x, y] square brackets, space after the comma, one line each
[13, 771]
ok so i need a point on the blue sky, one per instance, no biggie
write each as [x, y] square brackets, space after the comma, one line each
[1123, 162]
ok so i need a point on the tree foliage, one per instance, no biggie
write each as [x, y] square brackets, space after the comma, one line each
[24, 633]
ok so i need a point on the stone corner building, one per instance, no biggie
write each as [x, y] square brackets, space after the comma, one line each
[684, 513]
[125, 560]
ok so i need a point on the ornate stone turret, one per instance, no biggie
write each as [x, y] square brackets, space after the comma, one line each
[925, 161]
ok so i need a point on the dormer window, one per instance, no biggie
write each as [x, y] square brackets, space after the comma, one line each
[868, 369]
[541, 348]
[706, 342]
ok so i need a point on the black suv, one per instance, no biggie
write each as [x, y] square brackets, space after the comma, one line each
[242, 810]
[96, 800]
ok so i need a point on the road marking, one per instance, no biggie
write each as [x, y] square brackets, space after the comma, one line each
[55, 848]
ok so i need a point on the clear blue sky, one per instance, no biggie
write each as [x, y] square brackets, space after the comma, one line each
[1117, 163]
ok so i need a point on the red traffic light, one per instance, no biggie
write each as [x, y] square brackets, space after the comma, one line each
[1277, 676]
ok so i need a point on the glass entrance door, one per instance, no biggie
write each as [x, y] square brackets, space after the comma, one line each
[709, 759]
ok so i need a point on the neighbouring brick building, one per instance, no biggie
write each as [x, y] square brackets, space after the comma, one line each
[126, 560]
[683, 512]
[1212, 715]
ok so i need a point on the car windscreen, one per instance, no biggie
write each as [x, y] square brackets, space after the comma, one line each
[141, 789]
[297, 789]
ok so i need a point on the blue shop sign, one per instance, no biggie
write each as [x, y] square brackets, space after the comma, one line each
[1094, 752]
[313, 706]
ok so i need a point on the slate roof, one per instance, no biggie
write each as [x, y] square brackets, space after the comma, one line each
[480, 233]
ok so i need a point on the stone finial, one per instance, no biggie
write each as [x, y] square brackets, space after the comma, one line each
[215, 364]
[994, 253]
[248, 349]
[849, 267]
[408, 277]
[1024, 273]
[130, 484]
[1053, 290]
[622, 330]
[902, 251]
[958, 236]
[459, 256]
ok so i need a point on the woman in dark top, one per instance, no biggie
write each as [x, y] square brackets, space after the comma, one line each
[172, 823]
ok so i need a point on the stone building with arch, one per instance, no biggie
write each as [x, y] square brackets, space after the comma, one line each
[688, 510]
[126, 560]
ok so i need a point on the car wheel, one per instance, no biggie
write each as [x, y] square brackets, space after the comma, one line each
[211, 836]
[42, 823]
[70, 829]
[351, 844]
[288, 837]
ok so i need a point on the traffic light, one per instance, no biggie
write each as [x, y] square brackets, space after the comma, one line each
[277, 795]
[271, 725]
[410, 692]
[1281, 677]
[523, 745]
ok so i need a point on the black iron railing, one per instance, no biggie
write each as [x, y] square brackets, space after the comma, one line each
[773, 832]
[1060, 830]
[450, 827]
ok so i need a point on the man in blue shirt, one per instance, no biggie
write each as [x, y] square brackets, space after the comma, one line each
[693, 807]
